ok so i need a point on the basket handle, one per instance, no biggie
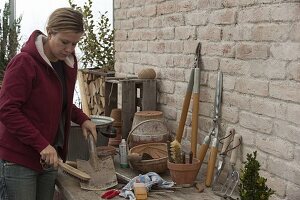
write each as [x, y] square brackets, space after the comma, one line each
[128, 140]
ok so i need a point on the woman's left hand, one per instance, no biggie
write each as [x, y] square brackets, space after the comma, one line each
[89, 127]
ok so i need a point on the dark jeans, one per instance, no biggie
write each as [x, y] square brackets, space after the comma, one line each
[21, 183]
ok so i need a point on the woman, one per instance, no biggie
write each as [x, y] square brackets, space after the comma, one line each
[36, 108]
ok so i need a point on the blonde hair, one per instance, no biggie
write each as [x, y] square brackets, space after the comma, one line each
[65, 20]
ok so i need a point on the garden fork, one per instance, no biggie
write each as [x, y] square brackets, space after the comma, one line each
[233, 176]
[226, 141]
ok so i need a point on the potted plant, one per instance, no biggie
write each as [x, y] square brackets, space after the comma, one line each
[97, 58]
[9, 38]
[253, 186]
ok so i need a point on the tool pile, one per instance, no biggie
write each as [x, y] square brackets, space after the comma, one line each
[211, 141]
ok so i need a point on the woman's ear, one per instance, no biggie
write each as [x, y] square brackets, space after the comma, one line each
[49, 32]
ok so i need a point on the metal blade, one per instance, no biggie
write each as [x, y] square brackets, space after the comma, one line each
[218, 95]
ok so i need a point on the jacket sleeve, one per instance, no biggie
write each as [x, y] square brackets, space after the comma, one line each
[78, 116]
[15, 91]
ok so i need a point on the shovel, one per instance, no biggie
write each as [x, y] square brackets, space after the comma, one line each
[101, 170]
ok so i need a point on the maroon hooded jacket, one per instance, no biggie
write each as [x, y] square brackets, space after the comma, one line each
[30, 100]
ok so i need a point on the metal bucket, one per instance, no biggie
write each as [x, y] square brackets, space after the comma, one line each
[78, 147]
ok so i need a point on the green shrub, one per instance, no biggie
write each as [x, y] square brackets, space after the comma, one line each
[252, 186]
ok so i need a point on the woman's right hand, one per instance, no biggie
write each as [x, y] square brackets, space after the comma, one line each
[49, 156]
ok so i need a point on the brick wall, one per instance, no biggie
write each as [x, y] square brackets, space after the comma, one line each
[255, 43]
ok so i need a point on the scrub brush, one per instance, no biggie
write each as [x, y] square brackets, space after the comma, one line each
[176, 153]
[69, 170]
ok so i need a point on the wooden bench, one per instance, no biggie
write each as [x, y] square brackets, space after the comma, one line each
[68, 188]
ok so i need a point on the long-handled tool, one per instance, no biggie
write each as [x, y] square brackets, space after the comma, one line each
[213, 135]
[233, 176]
[101, 170]
[193, 88]
[195, 112]
[68, 169]
[227, 139]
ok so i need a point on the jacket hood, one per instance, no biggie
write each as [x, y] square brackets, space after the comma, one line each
[34, 46]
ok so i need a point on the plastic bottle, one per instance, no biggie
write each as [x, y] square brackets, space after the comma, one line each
[123, 154]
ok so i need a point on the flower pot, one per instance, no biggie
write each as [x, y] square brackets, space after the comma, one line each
[184, 173]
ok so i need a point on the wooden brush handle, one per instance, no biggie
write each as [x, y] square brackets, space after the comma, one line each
[211, 166]
[73, 171]
[71, 163]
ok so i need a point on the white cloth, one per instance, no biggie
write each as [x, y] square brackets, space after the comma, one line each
[150, 179]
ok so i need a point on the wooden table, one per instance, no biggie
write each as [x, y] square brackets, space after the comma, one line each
[69, 189]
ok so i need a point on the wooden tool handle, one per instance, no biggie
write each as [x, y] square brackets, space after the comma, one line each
[195, 123]
[229, 133]
[73, 171]
[202, 152]
[211, 166]
[185, 107]
[236, 141]
[184, 112]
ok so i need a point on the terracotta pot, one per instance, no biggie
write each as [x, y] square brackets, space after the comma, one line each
[103, 151]
[116, 114]
[184, 173]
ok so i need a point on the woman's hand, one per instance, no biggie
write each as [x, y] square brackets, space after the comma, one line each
[89, 127]
[49, 156]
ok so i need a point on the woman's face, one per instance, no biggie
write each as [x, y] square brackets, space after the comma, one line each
[62, 44]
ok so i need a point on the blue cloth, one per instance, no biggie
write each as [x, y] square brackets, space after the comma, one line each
[150, 179]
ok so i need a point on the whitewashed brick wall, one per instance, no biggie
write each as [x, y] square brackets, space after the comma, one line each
[255, 43]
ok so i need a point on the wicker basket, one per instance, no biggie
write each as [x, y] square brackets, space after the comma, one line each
[158, 151]
[148, 131]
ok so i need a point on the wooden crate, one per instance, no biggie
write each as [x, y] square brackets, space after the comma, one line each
[137, 95]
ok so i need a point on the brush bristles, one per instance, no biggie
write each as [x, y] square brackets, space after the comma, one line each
[175, 149]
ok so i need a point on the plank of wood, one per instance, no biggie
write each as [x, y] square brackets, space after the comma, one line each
[128, 106]
[83, 96]
[149, 95]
